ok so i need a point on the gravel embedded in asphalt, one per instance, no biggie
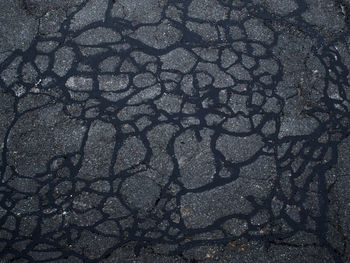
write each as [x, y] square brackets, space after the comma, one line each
[174, 131]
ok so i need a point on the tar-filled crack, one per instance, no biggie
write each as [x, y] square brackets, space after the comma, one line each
[157, 134]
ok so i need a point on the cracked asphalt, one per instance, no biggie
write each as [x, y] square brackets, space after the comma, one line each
[175, 131]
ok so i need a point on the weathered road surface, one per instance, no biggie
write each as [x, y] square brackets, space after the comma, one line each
[174, 131]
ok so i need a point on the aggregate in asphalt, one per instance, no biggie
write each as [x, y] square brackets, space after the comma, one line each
[174, 131]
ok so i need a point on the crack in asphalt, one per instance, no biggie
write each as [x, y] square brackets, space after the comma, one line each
[175, 131]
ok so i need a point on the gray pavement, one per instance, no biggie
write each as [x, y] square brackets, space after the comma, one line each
[175, 131]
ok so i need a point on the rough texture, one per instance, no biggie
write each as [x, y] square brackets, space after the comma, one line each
[174, 131]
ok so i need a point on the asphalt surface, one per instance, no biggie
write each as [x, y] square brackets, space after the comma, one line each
[175, 131]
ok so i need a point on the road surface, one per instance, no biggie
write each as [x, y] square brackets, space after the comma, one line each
[175, 131]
